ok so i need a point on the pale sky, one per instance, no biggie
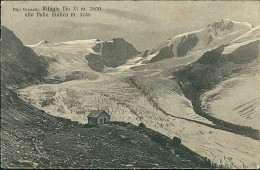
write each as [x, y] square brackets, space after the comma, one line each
[144, 24]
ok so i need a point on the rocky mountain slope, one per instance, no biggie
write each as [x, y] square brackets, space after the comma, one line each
[215, 34]
[237, 97]
[111, 54]
[213, 78]
[20, 66]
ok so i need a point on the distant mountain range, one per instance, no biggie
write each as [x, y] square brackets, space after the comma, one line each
[111, 54]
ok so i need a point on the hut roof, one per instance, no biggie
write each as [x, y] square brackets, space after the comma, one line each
[97, 113]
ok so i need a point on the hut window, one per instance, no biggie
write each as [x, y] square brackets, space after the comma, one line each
[100, 120]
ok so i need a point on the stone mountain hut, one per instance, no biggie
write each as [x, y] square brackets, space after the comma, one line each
[97, 117]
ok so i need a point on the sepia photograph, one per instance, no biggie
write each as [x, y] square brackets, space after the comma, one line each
[130, 84]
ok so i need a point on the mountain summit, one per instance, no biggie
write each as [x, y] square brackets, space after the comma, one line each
[215, 34]
[42, 42]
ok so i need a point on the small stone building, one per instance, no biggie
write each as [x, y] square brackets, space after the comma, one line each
[97, 117]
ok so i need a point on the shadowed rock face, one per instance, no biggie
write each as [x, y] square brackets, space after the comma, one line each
[111, 54]
[211, 57]
[213, 67]
[164, 53]
[222, 26]
[244, 54]
[11, 45]
[20, 65]
[229, 25]
[186, 44]
[210, 39]
[146, 52]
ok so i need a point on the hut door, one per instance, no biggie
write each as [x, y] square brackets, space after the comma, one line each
[105, 120]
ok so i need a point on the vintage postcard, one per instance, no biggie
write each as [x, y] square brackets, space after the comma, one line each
[130, 84]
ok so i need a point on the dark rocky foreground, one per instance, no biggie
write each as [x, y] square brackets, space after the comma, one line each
[33, 139]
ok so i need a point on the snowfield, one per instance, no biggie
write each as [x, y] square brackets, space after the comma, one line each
[66, 58]
[252, 34]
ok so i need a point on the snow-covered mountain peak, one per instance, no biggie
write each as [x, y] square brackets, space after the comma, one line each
[215, 34]
[226, 27]
[42, 42]
[228, 24]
